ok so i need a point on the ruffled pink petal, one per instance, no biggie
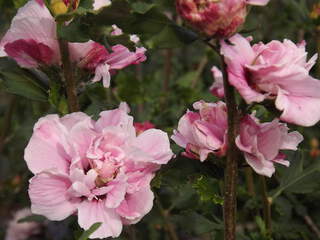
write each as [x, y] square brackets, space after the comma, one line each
[48, 195]
[136, 205]
[91, 212]
[184, 135]
[156, 143]
[237, 56]
[48, 147]
[118, 117]
[117, 191]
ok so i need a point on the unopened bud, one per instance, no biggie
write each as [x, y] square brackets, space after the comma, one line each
[215, 18]
[63, 6]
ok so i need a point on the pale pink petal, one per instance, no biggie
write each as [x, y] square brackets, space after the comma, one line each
[259, 165]
[291, 141]
[102, 72]
[47, 147]
[217, 88]
[101, 3]
[118, 117]
[48, 195]
[136, 205]
[121, 57]
[269, 139]
[91, 212]
[237, 56]
[116, 192]
[300, 110]
[258, 2]
[156, 143]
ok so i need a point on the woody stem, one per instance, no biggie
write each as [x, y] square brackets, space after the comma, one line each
[70, 81]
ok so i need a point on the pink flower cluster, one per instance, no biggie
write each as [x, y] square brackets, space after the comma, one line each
[32, 42]
[206, 132]
[219, 18]
[100, 170]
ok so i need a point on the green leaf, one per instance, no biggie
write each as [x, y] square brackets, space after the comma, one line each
[208, 190]
[87, 4]
[85, 235]
[32, 218]
[18, 82]
[142, 7]
[295, 176]
[195, 223]
[76, 31]
[56, 99]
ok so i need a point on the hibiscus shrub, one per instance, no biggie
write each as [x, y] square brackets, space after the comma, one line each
[136, 119]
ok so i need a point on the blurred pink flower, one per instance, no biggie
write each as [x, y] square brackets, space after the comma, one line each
[32, 42]
[141, 127]
[261, 143]
[219, 18]
[22, 231]
[277, 70]
[32, 39]
[217, 88]
[98, 169]
[204, 132]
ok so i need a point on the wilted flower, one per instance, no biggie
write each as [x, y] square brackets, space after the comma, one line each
[204, 132]
[277, 70]
[261, 143]
[98, 169]
[24, 230]
[216, 18]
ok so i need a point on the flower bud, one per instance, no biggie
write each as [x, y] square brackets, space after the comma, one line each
[215, 18]
[62, 6]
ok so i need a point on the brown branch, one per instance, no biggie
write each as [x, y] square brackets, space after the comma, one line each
[312, 225]
[70, 81]
[231, 170]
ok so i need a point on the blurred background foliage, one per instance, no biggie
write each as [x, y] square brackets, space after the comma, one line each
[176, 74]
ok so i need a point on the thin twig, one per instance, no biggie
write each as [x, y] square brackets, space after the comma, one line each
[169, 226]
[249, 182]
[312, 225]
[267, 201]
[7, 121]
[70, 81]
[199, 70]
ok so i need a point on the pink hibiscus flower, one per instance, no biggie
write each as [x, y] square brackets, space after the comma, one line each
[99, 170]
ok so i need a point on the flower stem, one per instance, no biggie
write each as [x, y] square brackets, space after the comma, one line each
[267, 201]
[71, 85]
[231, 171]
